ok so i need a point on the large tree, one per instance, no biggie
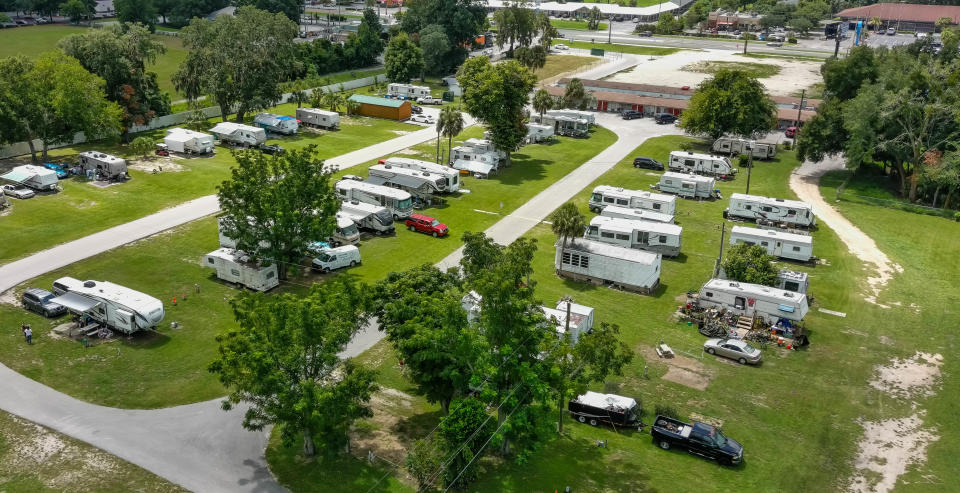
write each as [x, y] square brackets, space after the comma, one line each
[435, 46]
[533, 57]
[276, 206]
[237, 60]
[750, 263]
[732, 102]
[75, 10]
[403, 60]
[516, 23]
[136, 11]
[289, 8]
[282, 361]
[567, 221]
[576, 96]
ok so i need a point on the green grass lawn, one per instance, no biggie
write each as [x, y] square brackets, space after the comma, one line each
[618, 48]
[575, 24]
[168, 63]
[755, 70]
[558, 64]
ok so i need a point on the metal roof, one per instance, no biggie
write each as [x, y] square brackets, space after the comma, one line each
[770, 233]
[390, 103]
[631, 225]
[612, 251]
[796, 204]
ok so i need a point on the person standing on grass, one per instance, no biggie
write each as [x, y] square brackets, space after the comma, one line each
[28, 333]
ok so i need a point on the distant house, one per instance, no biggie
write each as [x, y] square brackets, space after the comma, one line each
[391, 109]
[230, 10]
[103, 8]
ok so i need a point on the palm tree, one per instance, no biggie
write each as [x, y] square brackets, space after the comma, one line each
[875, 22]
[452, 124]
[542, 101]
[299, 96]
[567, 221]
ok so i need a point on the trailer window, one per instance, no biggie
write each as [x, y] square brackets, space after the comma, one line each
[796, 249]
[791, 212]
[622, 202]
[597, 197]
[235, 272]
[604, 234]
[608, 200]
[766, 209]
[748, 207]
[623, 237]
[656, 207]
[663, 239]
[270, 275]
[565, 258]
[709, 294]
[210, 261]
[764, 243]
[739, 302]
[689, 163]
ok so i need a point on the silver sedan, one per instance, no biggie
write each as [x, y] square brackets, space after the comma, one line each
[18, 191]
[734, 349]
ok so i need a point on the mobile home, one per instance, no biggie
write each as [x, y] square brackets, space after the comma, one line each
[35, 177]
[767, 209]
[237, 267]
[408, 91]
[103, 166]
[368, 216]
[315, 117]
[110, 305]
[239, 134]
[346, 232]
[451, 177]
[777, 243]
[663, 238]
[702, 164]
[732, 145]
[601, 263]
[399, 203]
[280, 124]
[748, 300]
[628, 213]
[605, 195]
[688, 185]
[423, 185]
[188, 141]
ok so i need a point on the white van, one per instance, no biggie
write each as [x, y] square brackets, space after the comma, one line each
[334, 258]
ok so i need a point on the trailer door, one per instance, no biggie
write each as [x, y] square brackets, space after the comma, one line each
[739, 302]
[124, 321]
[778, 248]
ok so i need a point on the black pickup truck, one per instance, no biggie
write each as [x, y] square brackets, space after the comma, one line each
[698, 438]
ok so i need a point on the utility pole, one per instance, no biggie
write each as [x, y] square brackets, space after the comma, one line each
[610, 30]
[800, 109]
[836, 49]
[749, 165]
[716, 265]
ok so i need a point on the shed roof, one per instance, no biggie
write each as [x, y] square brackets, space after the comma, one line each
[612, 251]
[390, 103]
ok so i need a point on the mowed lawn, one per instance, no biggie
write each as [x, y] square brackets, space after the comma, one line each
[617, 48]
[575, 24]
[558, 64]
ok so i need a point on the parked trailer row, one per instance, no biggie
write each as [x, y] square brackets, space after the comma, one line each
[662, 238]
[731, 145]
[451, 176]
[422, 185]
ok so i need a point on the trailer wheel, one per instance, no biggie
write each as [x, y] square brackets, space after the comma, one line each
[353, 263]
[665, 445]
[581, 419]
[593, 422]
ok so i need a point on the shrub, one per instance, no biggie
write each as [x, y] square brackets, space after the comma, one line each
[141, 146]
[792, 40]
[743, 160]
[956, 216]
[787, 145]
[666, 410]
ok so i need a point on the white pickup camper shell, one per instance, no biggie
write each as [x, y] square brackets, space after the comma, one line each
[408, 91]
[702, 164]
[106, 166]
[399, 202]
[451, 176]
[605, 195]
[281, 124]
[237, 267]
[346, 233]
[114, 306]
[687, 185]
[423, 185]
[601, 263]
[753, 207]
[368, 216]
[733, 145]
[745, 299]
[35, 177]
[537, 132]
[777, 243]
[239, 134]
[188, 141]
[663, 238]
[315, 117]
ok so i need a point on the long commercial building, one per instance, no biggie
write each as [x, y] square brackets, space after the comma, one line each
[642, 14]
[903, 16]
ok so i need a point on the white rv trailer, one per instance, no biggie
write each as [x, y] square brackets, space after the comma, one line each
[642, 214]
[423, 185]
[315, 117]
[537, 132]
[733, 145]
[581, 319]
[605, 195]
[789, 280]
[408, 91]
[281, 124]
[777, 243]
[601, 263]
[663, 238]
[188, 141]
[688, 185]
[346, 232]
[771, 210]
[35, 177]
[105, 166]
[239, 134]
[368, 216]
[451, 176]
[566, 125]
[469, 153]
[589, 116]
[111, 305]
[476, 168]
[237, 267]
[484, 145]
[399, 202]
[703, 164]
[748, 300]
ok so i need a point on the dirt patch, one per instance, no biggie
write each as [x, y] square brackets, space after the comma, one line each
[681, 369]
[380, 437]
[160, 164]
[9, 297]
[911, 377]
[887, 449]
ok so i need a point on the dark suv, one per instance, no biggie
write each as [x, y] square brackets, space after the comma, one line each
[647, 163]
[665, 118]
[631, 114]
[38, 300]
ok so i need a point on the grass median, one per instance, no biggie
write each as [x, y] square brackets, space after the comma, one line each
[617, 48]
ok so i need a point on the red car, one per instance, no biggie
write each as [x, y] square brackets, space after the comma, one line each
[790, 132]
[426, 224]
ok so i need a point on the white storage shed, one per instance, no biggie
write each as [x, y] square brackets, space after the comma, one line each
[601, 263]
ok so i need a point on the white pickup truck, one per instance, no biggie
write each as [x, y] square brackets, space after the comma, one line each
[429, 100]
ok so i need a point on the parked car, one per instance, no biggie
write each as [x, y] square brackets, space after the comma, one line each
[631, 114]
[60, 169]
[664, 118]
[891, 31]
[426, 224]
[775, 44]
[329, 259]
[647, 163]
[162, 149]
[38, 300]
[416, 109]
[271, 149]
[8, 24]
[561, 35]
[561, 46]
[790, 132]
[421, 118]
[21, 22]
[698, 438]
[734, 349]
[488, 52]
[18, 191]
[646, 34]
[43, 20]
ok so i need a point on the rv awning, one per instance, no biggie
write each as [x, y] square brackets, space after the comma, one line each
[473, 166]
[17, 176]
[75, 302]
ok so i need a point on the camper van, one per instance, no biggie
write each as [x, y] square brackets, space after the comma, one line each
[642, 214]
[451, 176]
[605, 195]
[701, 164]
[770, 210]
[103, 166]
[280, 124]
[688, 185]
[399, 203]
[108, 304]
[663, 238]
[748, 300]
[315, 117]
[237, 267]
[188, 142]
[329, 259]
[408, 91]
[368, 216]
[35, 177]
[239, 134]
[601, 263]
[731, 145]
[423, 185]
[346, 232]
[777, 243]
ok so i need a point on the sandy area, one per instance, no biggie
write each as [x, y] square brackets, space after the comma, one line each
[911, 377]
[668, 70]
[887, 449]
[154, 163]
[681, 369]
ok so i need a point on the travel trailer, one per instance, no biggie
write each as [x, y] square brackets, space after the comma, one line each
[601, 263]
[188, 142]
[237, 267]
[702, 164]
[537, 132]
[605, 195]
[770, 210]
[423, 185]
[467, 153]
[368, 216]
[732, 145]
[108, 304]
[642, 214]
[239, 134]
[280, 124]
[567, 125]
[748, 300]
[688, 185]
[399, 203]
[35, 177]
[346, 232]
[408, 91]
[595, 408]
[315, 117]
[102, 166]
[777, 243]
[451, 176]
[788, 280]
[329, 259]
[588, 116]
[483, 146]
[662, 238]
